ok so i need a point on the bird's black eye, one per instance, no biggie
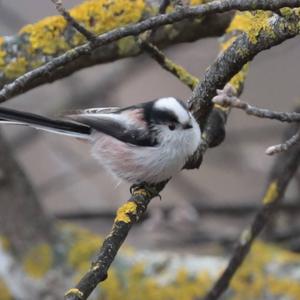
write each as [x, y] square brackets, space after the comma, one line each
[172, 127]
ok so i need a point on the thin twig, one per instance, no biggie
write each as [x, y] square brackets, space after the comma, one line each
[229, 100]
[24, 82]
[284, 146]
[111, 245]
[232, 101]
[233, 59]
[81, 29]
[178, 4]
[283, 171]
[178, 71]
[163, 6]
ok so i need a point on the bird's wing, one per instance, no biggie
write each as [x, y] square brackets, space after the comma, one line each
[126, 125]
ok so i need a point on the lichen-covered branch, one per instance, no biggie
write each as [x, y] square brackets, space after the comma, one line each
[260, 31]
[53, 36]
[281, 174]
[52, 70]
[282, 29]
[71, 21]
[177, 70]
[128, 214]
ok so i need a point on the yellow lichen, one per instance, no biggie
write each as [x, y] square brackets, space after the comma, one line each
[4, 243]
[38, 261]
[125, 211]
[35, 63]
[47, 35]
[284, 287]
[97, 16]
[245, 236]
[112, 287]
[238, 80]
[15, 68]
[253, 277]
[84, 246]
[139, 282]
[182, 74]
[252, 23]
[227, 43]
[288, 12]
[126, 45]
[271, 193]
[196, 2]
[4, 292]
[75, 292]
[2, 53]
[220, 107]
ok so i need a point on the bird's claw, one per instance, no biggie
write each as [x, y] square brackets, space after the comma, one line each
[146, 187]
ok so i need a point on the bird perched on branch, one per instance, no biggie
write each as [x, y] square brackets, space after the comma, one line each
[148, 142]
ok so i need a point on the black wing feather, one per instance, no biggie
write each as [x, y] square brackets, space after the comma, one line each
[115, 129]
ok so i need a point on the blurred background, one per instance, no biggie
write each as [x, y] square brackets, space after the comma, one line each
[199, 207]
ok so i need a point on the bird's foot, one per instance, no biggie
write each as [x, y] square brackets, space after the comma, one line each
[144, 189]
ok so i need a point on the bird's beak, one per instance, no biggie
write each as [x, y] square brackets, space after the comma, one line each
[187, 126]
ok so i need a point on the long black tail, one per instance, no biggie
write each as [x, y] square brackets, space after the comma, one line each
[10, 116]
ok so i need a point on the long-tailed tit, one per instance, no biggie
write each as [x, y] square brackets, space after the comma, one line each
[148, 142]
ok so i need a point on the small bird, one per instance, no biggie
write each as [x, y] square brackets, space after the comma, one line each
[144, 143]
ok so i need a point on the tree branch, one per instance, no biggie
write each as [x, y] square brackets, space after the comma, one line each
[131, 211]
[294, 140]
[81, 29]
[228, 100]
[274, 31]
[178, 71]
[232, 101]
[127, 215]
[45, 72]
[281, 174]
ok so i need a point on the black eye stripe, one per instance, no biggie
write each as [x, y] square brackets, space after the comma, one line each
[164, 116]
